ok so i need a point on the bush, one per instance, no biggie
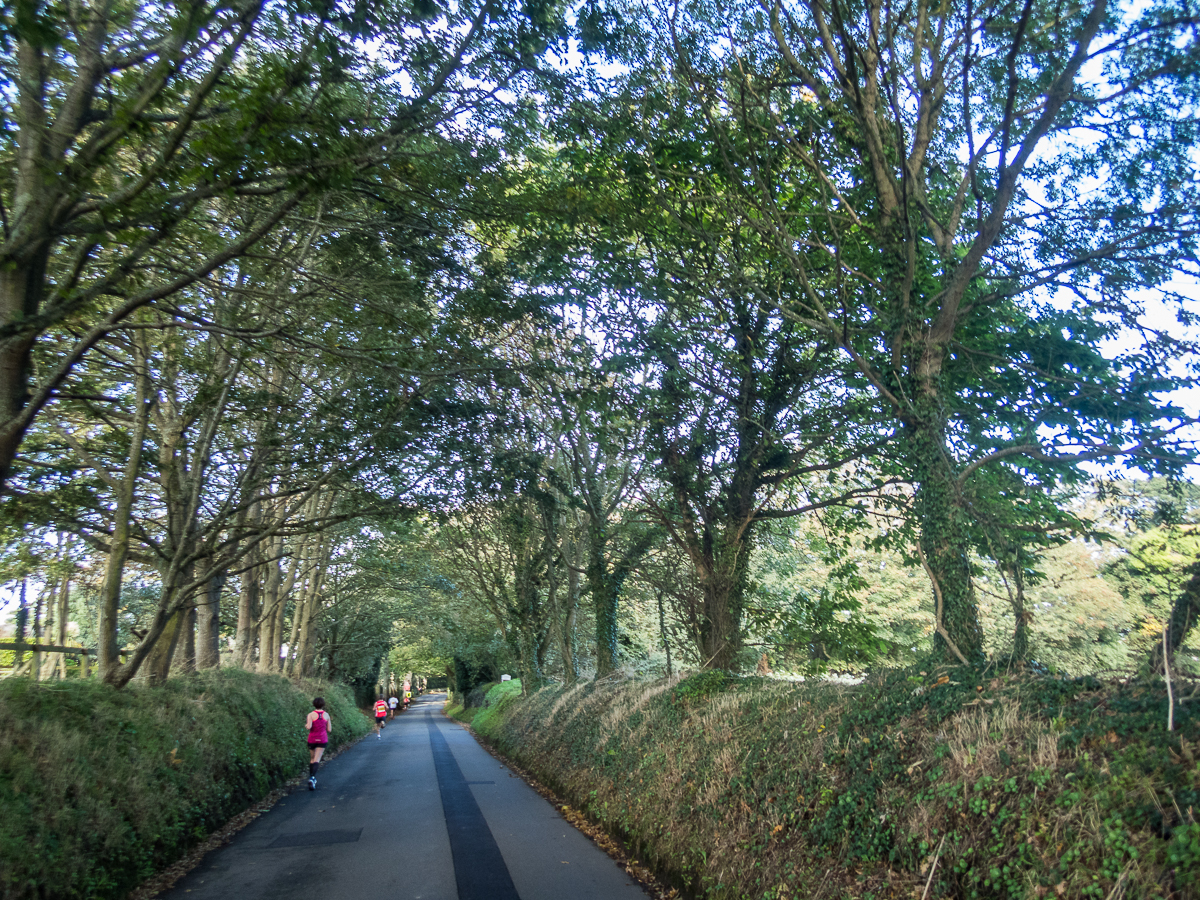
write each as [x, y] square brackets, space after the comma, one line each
[945, 784]
[495, 703]
[476, 698]
[100, 788]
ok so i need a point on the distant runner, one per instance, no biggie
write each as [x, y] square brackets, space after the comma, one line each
[381, 711]
[392, 703]
[317, 724]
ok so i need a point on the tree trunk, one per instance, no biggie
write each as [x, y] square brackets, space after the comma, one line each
[187, 650]
[247, 623]
[306, 615]
[274, 603]
[289, 661]
[22, 284]
[1014, 574]
[605, 596]
[945, 546]
[662, 630]
[108, 657]
[280, 617]
[306, 653]
[722, 564]
[35, 669]
[530, 636]
[720, 633]
[562, 599]
[308, 656]
[567, 629]
[157, 666]
[208, 625]
[285, 596]
[50, 664]
[64, 610]
[268, 645]
[530, 652]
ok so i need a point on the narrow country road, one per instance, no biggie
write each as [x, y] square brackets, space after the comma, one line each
[423, 814]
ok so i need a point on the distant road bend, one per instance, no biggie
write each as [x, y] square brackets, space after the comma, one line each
[423, 814]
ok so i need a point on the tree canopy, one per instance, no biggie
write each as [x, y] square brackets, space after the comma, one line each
[596, 335]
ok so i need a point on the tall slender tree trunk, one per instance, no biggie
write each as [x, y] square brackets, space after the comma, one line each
[108, 655]
[308, 651]
[307, 613]
[186, 651]
[280, 619]
[64, 611]
[288, 661]
[268, 638]
[298, 607]
[562, 599]
[278, 590]
[300, 620]
[39, 600]
[50, 662]
[662, 630]
[1013, 569]
[208, 624]
[249, 598]
[567, 623]
[249, 604]
[300, 656]
[286, 598]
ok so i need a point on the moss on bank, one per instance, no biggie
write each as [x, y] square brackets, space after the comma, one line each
[100, 788]
[913, 784]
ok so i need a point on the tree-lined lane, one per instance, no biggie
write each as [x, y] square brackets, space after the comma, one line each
[423, 813]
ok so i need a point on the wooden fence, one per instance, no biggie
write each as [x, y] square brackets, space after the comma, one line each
[32, 666]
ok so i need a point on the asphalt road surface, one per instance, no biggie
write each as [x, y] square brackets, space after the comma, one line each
[424, 813]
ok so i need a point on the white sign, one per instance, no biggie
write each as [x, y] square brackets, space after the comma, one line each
[506, 678]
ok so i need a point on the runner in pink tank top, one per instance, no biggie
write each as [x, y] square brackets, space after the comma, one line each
[318, 732]
[317, 724]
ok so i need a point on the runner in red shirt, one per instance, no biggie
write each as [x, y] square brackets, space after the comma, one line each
[381, 711]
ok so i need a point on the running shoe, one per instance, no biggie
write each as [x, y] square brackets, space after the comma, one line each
[312, 782]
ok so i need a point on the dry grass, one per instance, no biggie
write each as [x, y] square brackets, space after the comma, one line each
[615, 720]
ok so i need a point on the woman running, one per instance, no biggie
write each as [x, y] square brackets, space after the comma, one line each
[317, 724]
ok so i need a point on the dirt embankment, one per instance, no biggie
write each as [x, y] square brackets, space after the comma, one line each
[915, 784]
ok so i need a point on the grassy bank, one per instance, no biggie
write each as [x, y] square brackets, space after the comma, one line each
[100, 788]
[911, 785]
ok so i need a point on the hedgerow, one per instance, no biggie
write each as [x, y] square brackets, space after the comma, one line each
[100, 788]
[948, 783]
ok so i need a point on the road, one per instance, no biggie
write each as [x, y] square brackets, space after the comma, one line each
[424, 813]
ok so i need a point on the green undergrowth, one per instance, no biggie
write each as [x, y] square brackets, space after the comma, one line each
[913, 784]
[100, 788]
[486, 704]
